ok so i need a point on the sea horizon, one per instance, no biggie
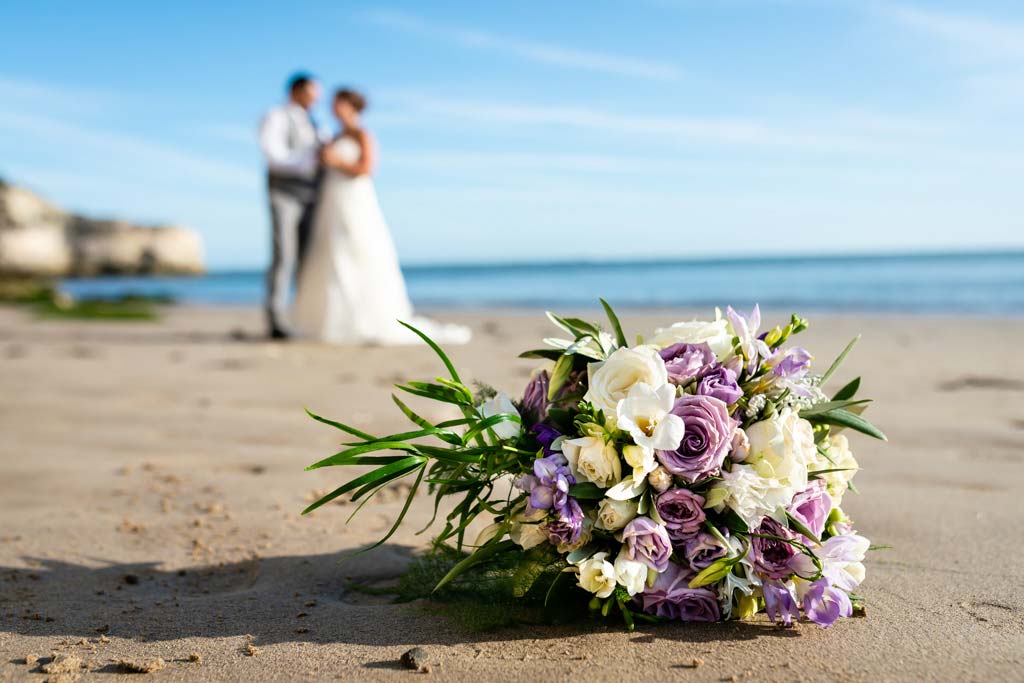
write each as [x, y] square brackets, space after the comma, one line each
[954, 282]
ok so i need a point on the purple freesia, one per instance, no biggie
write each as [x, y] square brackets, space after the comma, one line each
[686, 362]
[648, 542]
[773, 558]
[568, 526]
[546, 435]
[706, 440]
[703, 549]
[721, 384]
[812, 506]
[534, 406]
[824, 603]
[788, 367]
[549, 484]
[672, 598]
[682, 511]
[780, 603]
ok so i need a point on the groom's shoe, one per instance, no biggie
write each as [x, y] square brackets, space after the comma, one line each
[279, 334]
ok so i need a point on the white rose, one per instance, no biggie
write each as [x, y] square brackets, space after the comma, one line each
[597, 575]
[715, 333]
[527, 536]
[630, 574]
[781, 448]
[610, 381]
[496, 405]
[591, 459]
[644, 413]
[613, 515]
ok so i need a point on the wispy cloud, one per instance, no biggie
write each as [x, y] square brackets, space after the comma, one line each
[976, 36]
[551, 55]
[661, 128]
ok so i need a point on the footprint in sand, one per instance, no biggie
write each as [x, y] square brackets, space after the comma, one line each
[979, 382]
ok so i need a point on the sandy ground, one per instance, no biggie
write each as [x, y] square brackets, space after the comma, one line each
[151, 477]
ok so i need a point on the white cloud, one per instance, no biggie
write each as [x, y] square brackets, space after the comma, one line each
[552, 55]
[975, 36]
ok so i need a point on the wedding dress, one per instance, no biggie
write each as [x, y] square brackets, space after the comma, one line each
[351, 289]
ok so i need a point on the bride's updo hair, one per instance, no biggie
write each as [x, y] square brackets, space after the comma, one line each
[353, 97]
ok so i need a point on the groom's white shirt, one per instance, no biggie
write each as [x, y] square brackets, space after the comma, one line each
[290, 142]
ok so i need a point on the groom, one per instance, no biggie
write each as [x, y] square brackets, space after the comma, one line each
[290, 140]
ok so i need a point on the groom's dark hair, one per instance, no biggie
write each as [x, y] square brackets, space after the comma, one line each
[299, 80]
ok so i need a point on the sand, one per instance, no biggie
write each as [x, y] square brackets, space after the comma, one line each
[151, 477]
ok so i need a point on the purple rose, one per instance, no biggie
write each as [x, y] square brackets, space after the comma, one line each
[773, 558]
[703, 549]
[534, 406]
[779, 603]
[682, 511]
[686, 362]
[568, 526]
[812, 506]
[720, 383]
[672, 598]
[647, 541]
[706, 441]
[824, 604]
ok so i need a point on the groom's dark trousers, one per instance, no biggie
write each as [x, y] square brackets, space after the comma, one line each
[292, 201]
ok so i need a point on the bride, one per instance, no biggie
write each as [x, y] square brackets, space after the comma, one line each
[350, 289]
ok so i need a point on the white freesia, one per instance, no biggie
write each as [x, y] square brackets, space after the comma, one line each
[496, 405]
[750, 495]
[644, 413]
[597, 575]
[630, 574]
[591, 459]
[610, 381]
[840, 458]
[715, 333]
[660, 479]
[613, 515]
[525, 530]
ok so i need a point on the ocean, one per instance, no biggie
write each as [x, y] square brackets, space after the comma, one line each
[969, 283]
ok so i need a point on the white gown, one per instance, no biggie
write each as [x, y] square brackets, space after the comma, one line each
[351, 289]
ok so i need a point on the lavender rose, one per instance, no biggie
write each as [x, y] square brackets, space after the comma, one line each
[682, 511]
[686, 362]
[812, 506]
[720, 383]
[647, 541]
[706, 440]
[773, 558]
[672, 598]
[703, 549]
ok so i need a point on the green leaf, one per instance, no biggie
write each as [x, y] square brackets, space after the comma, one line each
[547, 354]
[564, 324]
[848, 391]
[586, 491]
[839, 361]
[488, 422]
[343, 427]
[620, 338]
[844, 418]
[345, 457]
[372, 476]
[477, 557]
[799, 526]
[437, 349]
[398, 521]
[583, 325]
[826, 406]
[580, 554]
[563, 366]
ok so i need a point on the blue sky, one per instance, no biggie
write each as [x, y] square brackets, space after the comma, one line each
[523, 131]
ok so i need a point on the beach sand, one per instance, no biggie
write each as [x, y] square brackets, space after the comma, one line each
[151, 479]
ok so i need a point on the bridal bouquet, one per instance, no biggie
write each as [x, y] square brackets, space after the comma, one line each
[695, 475]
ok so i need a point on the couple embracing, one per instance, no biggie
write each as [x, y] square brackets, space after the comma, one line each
[329, 232]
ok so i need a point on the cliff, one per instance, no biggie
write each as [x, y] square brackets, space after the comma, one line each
[40, 239]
